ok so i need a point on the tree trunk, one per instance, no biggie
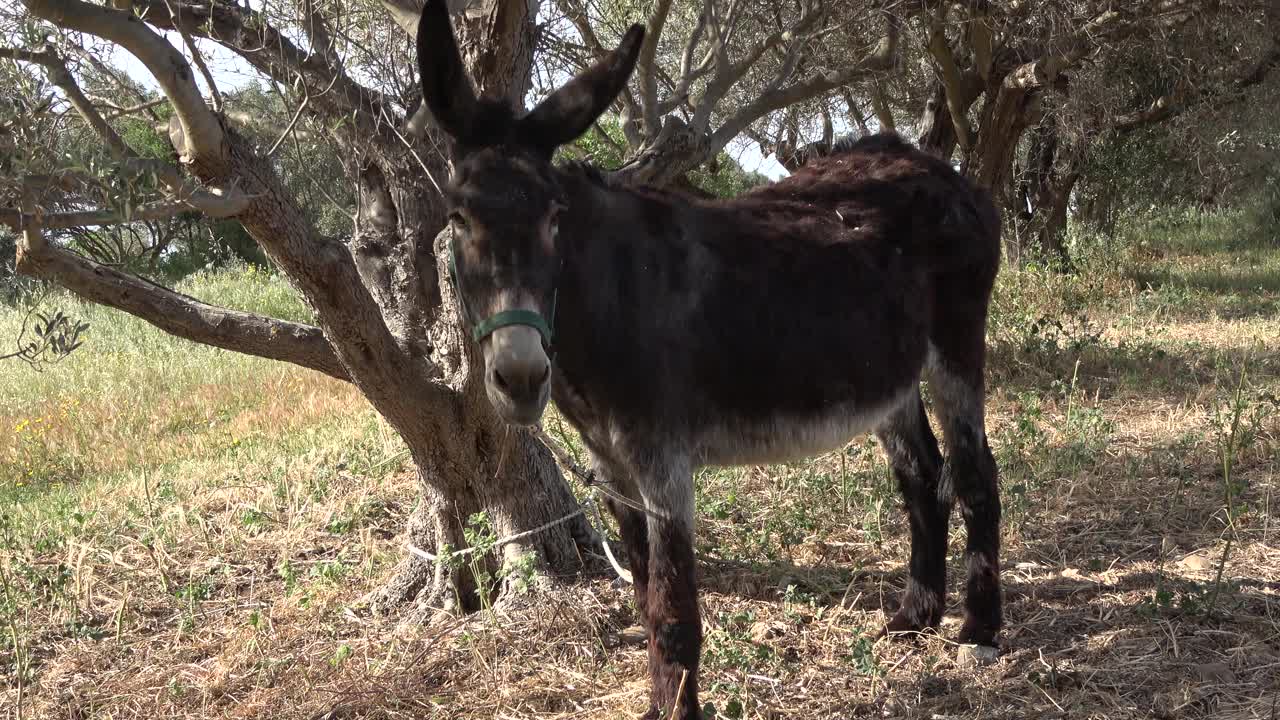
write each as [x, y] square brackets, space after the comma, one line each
[467, 460]
[937, 132]
[1006, 113]
[1044, 194]
[389, 313]
[1054, 226]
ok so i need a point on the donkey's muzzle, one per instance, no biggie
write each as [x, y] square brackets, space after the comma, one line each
[518, 375]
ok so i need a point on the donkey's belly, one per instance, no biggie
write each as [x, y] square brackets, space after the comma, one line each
[783, 438]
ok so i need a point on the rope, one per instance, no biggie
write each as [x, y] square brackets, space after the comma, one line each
[588, 477]
[497, 543]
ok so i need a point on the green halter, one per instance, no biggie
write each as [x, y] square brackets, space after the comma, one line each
[504, 318]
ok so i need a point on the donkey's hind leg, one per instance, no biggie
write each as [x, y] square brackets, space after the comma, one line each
[969, 473]
[913, 454]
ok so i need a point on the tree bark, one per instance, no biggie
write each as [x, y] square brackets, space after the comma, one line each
[937, 132]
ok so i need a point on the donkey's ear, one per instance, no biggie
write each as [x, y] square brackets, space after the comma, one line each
[445, 87]
[569, 111]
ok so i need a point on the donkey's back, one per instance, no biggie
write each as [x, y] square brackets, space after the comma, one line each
[806, 312]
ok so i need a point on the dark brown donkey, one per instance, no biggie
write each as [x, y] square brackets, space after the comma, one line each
[675, 333]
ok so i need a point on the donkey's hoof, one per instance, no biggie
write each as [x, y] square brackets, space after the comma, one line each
[975, 656]
[974, 632]
[904, 626]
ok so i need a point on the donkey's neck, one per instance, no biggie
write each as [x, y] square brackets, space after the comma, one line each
[626, 277]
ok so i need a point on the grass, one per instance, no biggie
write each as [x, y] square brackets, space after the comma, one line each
[188, 533]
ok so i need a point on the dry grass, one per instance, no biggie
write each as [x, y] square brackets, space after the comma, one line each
[226, 582]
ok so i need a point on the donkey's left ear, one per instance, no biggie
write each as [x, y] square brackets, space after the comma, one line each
[568, 112]
[445, 88]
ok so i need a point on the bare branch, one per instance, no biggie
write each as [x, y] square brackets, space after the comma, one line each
[171, 71]
[1110, 25]
[880, 106]
[631, 109]
[213, 203]
[317, 30]
[249, 34]
[175, 313]
[688, 73]
[952, 81]
[880, 58]
[198, 59]
[649, 78]
[728, 73]
[140, 107]
[1168, 106]
[404, 13]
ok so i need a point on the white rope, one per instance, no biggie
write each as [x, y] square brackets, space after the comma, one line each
[563, 457]
[497, 543]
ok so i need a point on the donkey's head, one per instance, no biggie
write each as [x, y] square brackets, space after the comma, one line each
[504, 205]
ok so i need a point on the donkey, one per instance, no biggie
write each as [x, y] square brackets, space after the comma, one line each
[675, 333]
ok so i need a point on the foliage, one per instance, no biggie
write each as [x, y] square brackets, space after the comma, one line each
[51, 339]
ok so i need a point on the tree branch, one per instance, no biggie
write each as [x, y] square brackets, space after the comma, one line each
[631, 109]
[198, 59]
[689, 73]
[317, 30]
[253, 38]
[728, 73]
[405, 14]
[1169, 106]
[881, 107]
[649, 78]
[982, 40]
[166, 64]
[952, 81]
[1109, 25]
[213, 203]
[175, 313]
[117, 111]
[58, 74]
[880, 58]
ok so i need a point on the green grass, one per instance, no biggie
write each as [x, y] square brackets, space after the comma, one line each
[135, 399]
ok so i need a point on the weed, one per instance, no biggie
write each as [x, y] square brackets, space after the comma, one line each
[863, 658]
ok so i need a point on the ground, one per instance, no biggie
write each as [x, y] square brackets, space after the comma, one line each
[189, 533]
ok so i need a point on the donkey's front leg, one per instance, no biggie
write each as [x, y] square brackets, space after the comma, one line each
[675, 629]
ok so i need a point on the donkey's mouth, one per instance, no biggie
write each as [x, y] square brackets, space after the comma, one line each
[523, 411]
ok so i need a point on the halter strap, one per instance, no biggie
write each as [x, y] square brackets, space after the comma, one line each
[501, 319]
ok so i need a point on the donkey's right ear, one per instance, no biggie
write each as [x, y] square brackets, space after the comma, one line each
[445, 87]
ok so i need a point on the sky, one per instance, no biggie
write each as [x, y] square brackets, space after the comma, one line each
[229, 72]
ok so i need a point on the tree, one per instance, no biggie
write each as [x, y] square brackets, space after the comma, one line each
[385, 321]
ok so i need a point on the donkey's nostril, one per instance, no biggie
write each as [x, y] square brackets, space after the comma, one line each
[546, 372]
[502, 382]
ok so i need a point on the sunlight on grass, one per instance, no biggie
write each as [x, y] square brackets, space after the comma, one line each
[134, 397]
